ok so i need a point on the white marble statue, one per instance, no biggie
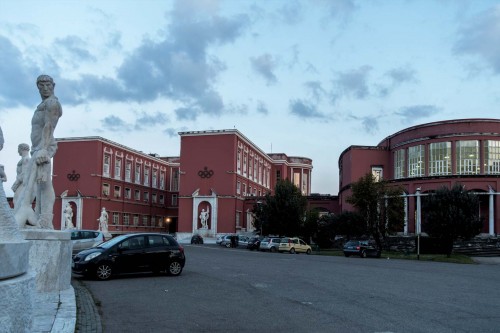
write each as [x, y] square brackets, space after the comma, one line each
[103, 221]
[22, 171]
[204, 215]
[43, 148]
[68, 217]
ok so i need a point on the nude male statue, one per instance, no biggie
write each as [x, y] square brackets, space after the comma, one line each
[43, 148]
[22, 171]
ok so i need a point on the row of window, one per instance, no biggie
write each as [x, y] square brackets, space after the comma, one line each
[438, 158]
[137, 195]
[143, 175]
[251, 165]
[241, 188]
[137, 220]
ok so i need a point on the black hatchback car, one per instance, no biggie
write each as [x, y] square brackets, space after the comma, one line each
[361, 248]
[131, 253]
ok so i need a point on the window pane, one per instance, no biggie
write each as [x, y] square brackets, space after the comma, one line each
[467, 155]
[440, 158]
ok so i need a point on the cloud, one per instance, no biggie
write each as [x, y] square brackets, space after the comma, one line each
[146, 121]
[171, 132]
[315, 89]
[353, 83]
[414, 113]
[115, 124]
[187, 113]
[262, 108]
[18, 76]
[480, 37]
[265, 66]
[305, 109]
[75, 49]
[291, 12]
[396, 77]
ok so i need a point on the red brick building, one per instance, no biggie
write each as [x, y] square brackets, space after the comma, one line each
[426, 157]
[219, 172]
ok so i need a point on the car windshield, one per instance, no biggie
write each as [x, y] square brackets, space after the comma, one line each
[352, 243]
[112, 241]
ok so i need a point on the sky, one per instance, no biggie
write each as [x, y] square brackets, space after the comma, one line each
[304, 78]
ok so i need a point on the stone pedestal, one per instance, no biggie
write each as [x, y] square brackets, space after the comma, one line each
[16, 303]
[50, 258]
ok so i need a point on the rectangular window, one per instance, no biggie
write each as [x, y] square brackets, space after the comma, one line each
[105, 190]
[238, 161]
[153, 197]
[136, 219]
[378, 173]
[238, 187]
[255, 166]
[137, 195]
[154, 179]
[467, 157]
[126, 219]
[137, 174]
[106, 165]
[260, 173]
[492, 157]
[296, 179]
[440, 158]
[162, 180]
[128, 193]
[416, 161]
[144, 220]
[146, 196]
[238, 218]
[174, 185]
[399, 164]
[250, 168]
[146, 176]
[118, 192]
[174, 199]
[162, 199]
[116, 218]
[304, 184]
[118, 168]
[244, 189]
[153, 221]
[128, 171]
[278, 175]
[244, 164]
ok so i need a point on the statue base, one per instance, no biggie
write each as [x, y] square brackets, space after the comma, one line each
[16, 303]
[15, 258]
[50, 258]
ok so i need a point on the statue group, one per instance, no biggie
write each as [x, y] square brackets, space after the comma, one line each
[34, 178]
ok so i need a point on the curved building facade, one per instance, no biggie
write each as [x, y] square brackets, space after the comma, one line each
[426, 157]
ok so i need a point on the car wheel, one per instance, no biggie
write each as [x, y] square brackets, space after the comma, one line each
[308, 251]
[347, 254]
[103, 272]
[273, 249]
[292, 250]
[174, 268]
[227, 245]
[363, 254]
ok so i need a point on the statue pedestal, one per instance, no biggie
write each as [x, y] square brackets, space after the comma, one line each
[16, 303]
[50, 258]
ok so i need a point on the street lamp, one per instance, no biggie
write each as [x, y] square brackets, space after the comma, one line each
[167, 222]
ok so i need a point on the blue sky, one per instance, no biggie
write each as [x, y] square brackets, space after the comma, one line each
[305, 78]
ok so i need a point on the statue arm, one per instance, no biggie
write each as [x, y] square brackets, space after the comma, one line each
[52, 115]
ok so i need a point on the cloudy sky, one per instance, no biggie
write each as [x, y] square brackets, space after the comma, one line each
[305, 78]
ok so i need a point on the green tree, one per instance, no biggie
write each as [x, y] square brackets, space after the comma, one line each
[282, 213]
[380, 204]
[450, 214]
[348, 224]
[310, 226]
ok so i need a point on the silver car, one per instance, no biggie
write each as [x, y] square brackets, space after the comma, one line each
[270, 244]
[85, 239]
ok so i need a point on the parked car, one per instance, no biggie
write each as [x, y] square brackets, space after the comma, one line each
[131, 253]
[196, 239]
[253, 243]
[226, 240]
[270, 244]
[361, 248]
[219, 239]
[85, 239]
[242, 240]
[294, 245]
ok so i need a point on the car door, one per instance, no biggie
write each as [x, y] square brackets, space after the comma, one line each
[301, 246]
[158, 252]
[132, 255]
[76, 239]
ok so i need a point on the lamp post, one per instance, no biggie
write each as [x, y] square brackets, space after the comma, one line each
[419, 221]
[167, 222]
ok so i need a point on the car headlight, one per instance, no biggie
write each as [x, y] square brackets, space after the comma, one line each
[92, 256]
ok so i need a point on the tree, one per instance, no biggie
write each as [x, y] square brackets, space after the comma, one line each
[282, 213]
[450, 214]
[348, 224]
[380, 204]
